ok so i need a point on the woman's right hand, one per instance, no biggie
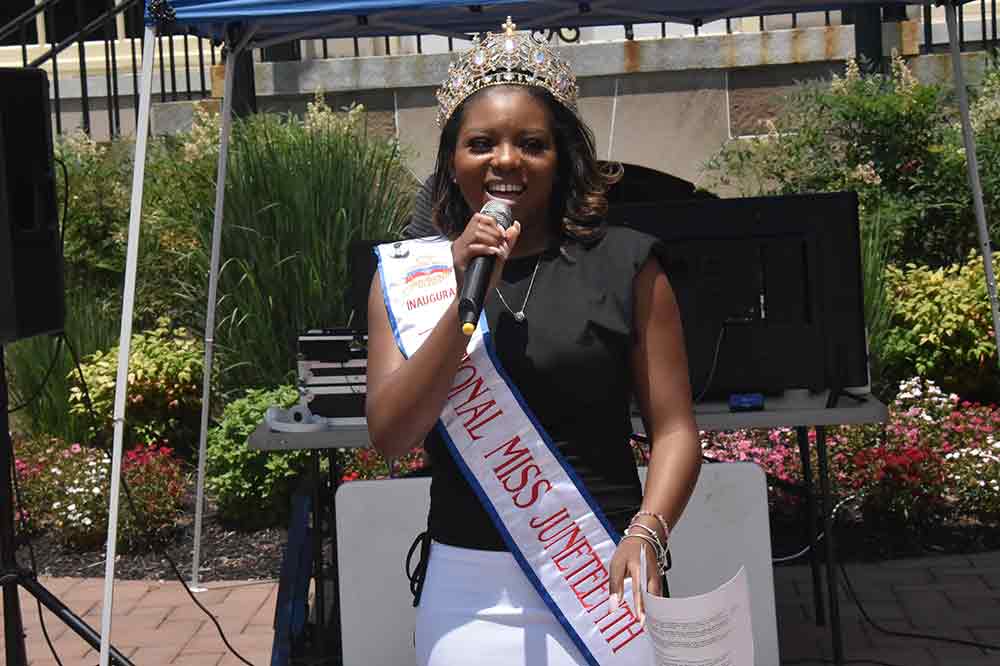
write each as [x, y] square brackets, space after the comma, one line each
[483, 237]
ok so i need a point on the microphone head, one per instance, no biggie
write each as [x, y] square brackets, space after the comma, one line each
[499, 211]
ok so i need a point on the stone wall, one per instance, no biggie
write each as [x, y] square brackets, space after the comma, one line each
[667, 104]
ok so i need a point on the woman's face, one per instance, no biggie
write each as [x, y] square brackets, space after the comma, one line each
[506, 149]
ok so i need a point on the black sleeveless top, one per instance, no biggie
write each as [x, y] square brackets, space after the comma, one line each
[571, 359]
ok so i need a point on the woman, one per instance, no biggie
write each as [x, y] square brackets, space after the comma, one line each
[580, 317]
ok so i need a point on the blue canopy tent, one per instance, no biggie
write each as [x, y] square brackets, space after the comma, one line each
[246, 24]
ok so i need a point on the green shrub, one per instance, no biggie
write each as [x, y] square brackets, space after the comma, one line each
[943, 328]
[164, 394]
[894, 140]
[298, 193]
[64, 489]
[251, 488]
[96, 228]
[98, 182]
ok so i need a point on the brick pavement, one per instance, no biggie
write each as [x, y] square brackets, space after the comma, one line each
[952, 596]
[155, 623]
[956, 596]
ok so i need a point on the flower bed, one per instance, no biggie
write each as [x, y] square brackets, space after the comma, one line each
[936, 458]
[935, 462]
[64, 490]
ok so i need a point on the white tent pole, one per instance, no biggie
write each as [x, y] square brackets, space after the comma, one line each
[213, 289]
[972, 164]
[125, 336]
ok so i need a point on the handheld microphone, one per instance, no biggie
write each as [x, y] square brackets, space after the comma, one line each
[477, 275]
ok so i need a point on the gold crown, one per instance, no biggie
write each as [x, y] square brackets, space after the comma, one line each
[505, 58]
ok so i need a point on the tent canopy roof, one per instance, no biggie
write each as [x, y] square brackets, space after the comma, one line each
[272, 20]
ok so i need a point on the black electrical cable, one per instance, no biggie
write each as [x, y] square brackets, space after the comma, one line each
[715, 362]
[817, 660]
[19, 505]
[905, 634]
[65, 215]
[809, 547]
[45, 379]
[849, 587]
[128, 498]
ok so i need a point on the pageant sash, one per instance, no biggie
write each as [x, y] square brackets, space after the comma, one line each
[553, 527]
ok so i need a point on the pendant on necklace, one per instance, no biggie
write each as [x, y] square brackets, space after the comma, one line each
[519, 316]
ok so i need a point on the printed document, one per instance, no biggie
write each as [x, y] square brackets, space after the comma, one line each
[711, 629]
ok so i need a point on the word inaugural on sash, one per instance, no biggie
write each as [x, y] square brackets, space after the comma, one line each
[556, 534]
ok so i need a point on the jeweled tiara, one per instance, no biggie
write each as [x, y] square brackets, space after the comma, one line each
[505, 58]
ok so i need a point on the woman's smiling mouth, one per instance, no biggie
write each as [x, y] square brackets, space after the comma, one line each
[504, 189]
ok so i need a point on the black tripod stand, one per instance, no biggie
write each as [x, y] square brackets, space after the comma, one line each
[11, 575]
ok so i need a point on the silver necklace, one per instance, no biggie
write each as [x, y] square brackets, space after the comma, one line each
[519, 316]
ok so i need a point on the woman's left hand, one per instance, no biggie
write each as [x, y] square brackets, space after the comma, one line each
[625, 564]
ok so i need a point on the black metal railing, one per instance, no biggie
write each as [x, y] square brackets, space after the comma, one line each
[967, 17]
[88, 28]
[987, 20]
[83, 24]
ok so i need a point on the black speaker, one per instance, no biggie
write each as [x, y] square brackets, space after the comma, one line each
[31, 272]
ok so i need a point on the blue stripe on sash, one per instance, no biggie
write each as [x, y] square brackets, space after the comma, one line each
[385, 299]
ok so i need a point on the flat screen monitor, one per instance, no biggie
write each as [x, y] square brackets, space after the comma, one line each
[769, 289]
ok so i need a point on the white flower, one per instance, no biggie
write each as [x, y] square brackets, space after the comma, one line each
[57, 505]
[866, 173]
[87, 521]
[71, 507]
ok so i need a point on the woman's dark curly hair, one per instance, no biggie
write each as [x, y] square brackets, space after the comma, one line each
[579, 201]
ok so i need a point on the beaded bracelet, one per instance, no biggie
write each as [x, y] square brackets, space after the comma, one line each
[659, 518]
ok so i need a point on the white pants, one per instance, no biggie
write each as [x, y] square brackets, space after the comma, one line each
[477, 607]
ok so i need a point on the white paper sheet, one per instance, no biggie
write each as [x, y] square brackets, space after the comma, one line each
[711, 629]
